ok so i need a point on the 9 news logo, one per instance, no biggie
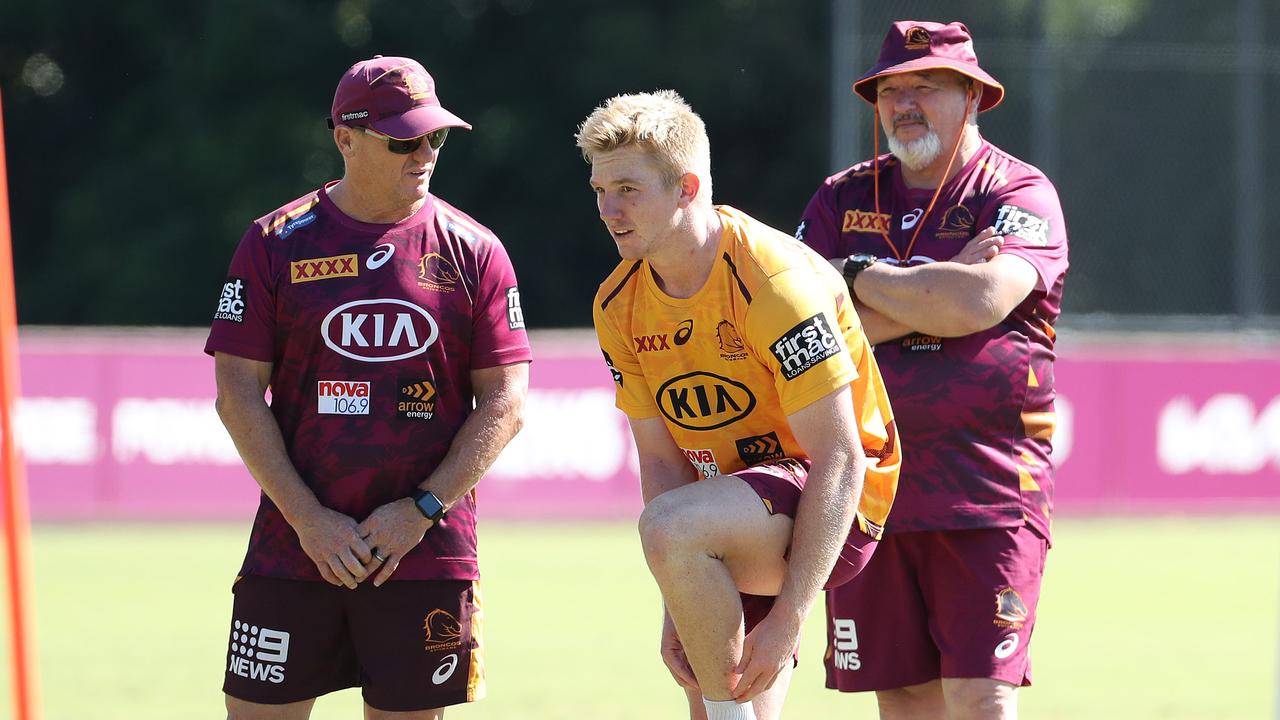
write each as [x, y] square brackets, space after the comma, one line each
[258, 653]
[844, 644]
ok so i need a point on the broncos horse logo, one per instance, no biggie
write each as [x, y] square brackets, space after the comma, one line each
[436, 272]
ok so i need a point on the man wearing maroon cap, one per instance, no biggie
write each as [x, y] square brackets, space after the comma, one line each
[955, 253]
[387, 325]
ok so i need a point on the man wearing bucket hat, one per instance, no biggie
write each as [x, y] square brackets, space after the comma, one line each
[387, 324]
[955, 253]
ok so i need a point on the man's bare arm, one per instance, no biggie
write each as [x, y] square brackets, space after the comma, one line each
[328, 537]
[397, 527]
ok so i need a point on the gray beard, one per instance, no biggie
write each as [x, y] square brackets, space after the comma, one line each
[917, 154]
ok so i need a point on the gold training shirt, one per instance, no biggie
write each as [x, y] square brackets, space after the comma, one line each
[771, 331]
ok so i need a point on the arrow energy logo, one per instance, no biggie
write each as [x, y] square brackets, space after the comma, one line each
[759, 449]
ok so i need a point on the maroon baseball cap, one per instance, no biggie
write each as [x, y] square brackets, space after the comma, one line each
[393, 95]
[914, 46]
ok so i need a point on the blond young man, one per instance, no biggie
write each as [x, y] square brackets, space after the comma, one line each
[768, 458]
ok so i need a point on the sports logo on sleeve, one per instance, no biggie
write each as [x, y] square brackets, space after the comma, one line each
[1013, 220]
[617, 376]
[806, 345]
[324, 268]
[287, 229]
[231, 304]
[759, 448]
[515, 316]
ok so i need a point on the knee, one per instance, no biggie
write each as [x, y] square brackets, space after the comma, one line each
[916, 702]
[663, 531]
[981, 699]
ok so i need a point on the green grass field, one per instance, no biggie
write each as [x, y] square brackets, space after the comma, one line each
[1154, 618]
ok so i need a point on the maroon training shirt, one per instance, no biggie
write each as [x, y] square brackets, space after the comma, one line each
[975, 413]
[373, 331]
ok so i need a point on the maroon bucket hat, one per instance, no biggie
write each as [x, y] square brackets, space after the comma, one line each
[393, 95]
[914, 46]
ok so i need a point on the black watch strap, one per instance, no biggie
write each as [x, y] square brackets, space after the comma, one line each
[855, 264]
[429, 505]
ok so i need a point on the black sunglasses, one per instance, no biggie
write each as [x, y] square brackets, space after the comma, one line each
[435, 139]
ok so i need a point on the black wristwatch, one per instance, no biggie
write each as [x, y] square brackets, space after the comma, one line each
[429, 505]
[855, 264]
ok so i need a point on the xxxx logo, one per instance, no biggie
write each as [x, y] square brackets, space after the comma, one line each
[862, 221]
[323, 268]
[651, 343]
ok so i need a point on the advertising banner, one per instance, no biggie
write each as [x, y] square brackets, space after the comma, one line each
[123, 426]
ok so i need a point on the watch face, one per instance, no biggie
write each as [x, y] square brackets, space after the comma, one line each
[429, 505]
[857, 263]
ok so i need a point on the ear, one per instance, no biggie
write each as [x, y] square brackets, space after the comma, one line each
[344, 138]
[689, 187]
[975, 92]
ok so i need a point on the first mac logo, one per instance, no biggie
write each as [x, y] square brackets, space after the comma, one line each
[231, 303]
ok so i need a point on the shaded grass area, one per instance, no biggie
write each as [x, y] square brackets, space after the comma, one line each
[1140, 618]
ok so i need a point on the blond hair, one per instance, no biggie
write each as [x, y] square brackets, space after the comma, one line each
[660, 123]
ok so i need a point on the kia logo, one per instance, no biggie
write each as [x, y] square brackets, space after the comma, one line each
[380, 330]
[704, 401]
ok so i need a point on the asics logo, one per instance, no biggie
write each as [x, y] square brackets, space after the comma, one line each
[381, 256]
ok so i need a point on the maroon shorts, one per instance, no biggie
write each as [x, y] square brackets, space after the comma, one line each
[411, 645]
[779, 485]
[941, 604]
